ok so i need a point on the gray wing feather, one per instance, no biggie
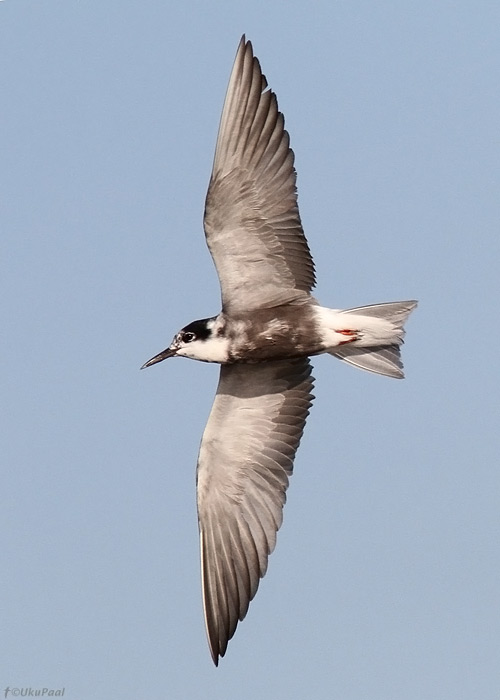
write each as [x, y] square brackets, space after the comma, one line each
[252, 221]
[246, 457]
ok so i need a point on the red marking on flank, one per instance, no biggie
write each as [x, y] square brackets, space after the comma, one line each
[353, 335]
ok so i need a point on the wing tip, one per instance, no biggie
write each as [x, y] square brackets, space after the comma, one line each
[216, 646]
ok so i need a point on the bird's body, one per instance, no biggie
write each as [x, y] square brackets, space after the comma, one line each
[293, 331]
[269, 326]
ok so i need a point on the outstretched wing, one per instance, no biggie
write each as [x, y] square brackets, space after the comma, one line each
[246, 457]
[252, 221]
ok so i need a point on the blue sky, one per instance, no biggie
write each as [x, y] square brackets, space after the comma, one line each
[384, 583]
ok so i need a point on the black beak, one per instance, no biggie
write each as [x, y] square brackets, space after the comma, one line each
[158, 358]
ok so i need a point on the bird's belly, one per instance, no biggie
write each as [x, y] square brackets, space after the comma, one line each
[262, 347]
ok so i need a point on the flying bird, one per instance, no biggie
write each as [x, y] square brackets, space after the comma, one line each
[269, 326]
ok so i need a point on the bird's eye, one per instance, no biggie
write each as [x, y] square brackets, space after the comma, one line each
[188, 337]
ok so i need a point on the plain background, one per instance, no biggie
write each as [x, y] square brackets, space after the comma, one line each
[384, 584]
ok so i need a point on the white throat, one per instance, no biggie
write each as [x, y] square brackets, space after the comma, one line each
[215, 349]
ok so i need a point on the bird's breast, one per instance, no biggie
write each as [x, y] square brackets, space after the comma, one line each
[274, 334]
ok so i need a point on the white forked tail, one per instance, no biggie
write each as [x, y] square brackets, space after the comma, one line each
[381, 335]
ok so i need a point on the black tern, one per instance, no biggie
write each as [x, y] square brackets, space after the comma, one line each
[269, 326]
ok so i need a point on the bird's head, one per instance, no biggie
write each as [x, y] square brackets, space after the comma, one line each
[200, 340]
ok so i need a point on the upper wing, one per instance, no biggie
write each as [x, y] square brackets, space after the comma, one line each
[252, 221]
[246, 457]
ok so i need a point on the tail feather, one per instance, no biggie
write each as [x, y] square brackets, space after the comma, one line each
[379, 358]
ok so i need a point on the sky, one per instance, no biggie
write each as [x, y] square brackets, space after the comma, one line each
[385, 580]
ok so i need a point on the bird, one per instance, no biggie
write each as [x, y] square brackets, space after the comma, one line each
[268, 328]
